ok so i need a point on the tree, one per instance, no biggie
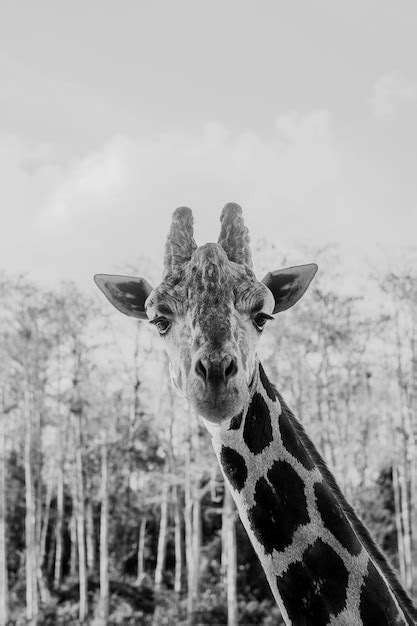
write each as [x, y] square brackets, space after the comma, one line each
[229, 519]
[163, 527]
[5, 409]
[104, 535]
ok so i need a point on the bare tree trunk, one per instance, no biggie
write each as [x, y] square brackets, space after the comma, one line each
[104, 538]
[409, 424]
[413, 508]
[402, 478]
[50, 560]
[37, 462]
[162, 538]
[59, 522]
[141, 549]
[196, 541]
[189, 536]
[406, 526]
[43, 587]
[398, 521]
[89, 530]
[223, 556]
[62, 426]
[4, 593]
[230, 537]
[413, 436]
[80, 516]
[73, 537]
[178, 541]
[45, 521]
[413, 433]
[30, 520]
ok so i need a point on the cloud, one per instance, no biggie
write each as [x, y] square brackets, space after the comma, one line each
[110, 197]
[87, 184]
[150, 175]
[95, 212]
[70, 217]
[392, 92]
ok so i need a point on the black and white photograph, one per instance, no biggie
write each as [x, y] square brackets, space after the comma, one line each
[208, 313]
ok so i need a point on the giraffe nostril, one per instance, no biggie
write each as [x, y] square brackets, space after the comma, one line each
[216, 372]
[231, 369]
[201, 370]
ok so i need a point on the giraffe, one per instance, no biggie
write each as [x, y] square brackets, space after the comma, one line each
[321, 563]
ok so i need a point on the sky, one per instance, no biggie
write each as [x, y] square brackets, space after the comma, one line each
[112, 114]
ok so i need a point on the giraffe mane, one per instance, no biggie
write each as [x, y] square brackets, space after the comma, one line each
[359, 527]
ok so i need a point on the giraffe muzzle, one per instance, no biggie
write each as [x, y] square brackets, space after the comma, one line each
[217, 386]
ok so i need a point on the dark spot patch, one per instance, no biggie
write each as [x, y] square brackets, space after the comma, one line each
[236, 421]
[280, 507]
[133, 293]
[290, 439]
[266, 384]
[257, 431]
[314, 589]
[234, 466]
[335, 520]
[377, 606]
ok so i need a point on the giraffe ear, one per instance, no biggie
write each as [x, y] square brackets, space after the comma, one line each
[289, 285]
[126, 293]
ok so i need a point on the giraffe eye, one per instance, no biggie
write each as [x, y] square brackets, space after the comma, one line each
[260, 320]
[162, 324]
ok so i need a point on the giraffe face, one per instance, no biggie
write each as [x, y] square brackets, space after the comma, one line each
[210, 310]
[210, 314]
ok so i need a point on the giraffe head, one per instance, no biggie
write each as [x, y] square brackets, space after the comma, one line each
[210, 310]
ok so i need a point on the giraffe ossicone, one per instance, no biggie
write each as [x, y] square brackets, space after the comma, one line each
[210, 310]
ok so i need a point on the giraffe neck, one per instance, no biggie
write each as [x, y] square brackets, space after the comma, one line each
[320, 561]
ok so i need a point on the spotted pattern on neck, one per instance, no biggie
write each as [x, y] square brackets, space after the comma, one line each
[319, 569]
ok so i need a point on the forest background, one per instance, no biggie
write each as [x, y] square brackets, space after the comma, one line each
[112, 114]
[112, 507]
